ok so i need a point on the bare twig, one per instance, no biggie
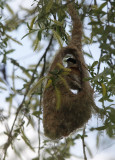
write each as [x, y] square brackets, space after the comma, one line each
[42, 74]
[83, 143]
[39, 137]
[10, 136]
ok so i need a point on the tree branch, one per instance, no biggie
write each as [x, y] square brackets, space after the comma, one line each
[10, 136]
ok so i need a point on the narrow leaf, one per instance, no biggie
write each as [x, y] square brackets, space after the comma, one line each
[64, 82]
[21, 67]
[89, 151]
[36, 85]
[94, 64]
[16, 41]
[3, 88]
[10, 51]
[104, 89]
[102, 6]
[58, 38]
[36, 43]
[95, 23]
[9, 9]
[49, 83]
[39, 34]
[32, 22]
[28, 33]
[26, 140]
[58, 23]
[49, 5]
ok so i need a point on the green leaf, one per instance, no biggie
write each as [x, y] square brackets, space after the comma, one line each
[37, 113]
[16, 41]
[89, 151]
[87, 40]
[99, 128]
[112, 115]
[58, 23]
[28, 33]
[110, 29]
[110, 100]
[32, 22]
[40, 34]
[10, 51]
[49, 83]
[36, 85]
[49, 5]
[1, 80]
[97, 30]
[102, 6]
[3, 88]
[94, 64]
[95, 23]
[88, 54]
[97, 140]
[1, 6]
[9, 9]
[104, 89]
[21, 67]
[36, 43]
[26, 140]
[57, 36]
[110, 130]
[35, 158]
[63, 81]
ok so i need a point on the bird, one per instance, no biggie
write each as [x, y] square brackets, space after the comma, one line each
[74, 77]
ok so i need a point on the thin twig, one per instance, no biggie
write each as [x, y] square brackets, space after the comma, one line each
[39, 137]
[10, 136]
[42, 74]
[83, 143]
[98, 67]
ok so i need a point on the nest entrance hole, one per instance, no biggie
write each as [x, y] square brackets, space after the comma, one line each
[67, 56]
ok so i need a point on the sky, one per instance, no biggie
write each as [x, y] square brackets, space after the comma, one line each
[25, 55]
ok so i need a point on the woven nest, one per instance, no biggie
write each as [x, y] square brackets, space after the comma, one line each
[74, 111]
[59, 123]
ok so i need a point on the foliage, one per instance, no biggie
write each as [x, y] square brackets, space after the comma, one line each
[48, 20]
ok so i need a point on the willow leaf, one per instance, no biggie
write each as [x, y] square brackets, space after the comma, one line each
[36, 85]
[9, 9]
[16, 41]
[32, 22]
[58, 23]
[28, 33]
[49, 5]
[65, 70]
[26, 140]
[21, 67]
[49, 83]
[58, 38]
[103, 89]
[64, 82]
[36, 43]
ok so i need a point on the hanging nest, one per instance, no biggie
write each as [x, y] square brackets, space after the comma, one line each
[63, 110]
